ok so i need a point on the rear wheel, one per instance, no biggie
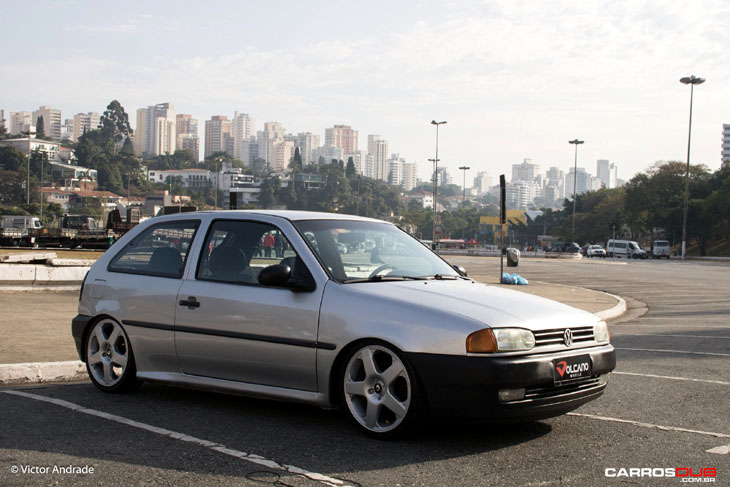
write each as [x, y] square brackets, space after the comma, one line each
[379, 391]
[109, 358]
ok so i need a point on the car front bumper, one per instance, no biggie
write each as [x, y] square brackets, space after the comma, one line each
[468, 386]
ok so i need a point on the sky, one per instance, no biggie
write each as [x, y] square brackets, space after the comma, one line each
[513, 79]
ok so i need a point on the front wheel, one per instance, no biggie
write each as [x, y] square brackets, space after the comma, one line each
[379, 391]
[109, 358]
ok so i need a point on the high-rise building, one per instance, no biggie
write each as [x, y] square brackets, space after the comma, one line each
[527, 171]
[482, 182]
[341, 136]
[555, 179]
[582, 182]
[217, 134]
[725, 153]
[156, 130]
[443, 176]
[395, 169]
[307, 142]
[51, 121]
[359, 159]
[21, 122]
[606, 172]
[378, 148]
[283, 153]
[410, 176]
[67, 129]
[186, 128]
[85, 122]
[243, 127]
[3, 122]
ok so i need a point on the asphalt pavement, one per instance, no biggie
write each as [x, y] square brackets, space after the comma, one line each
[666, 407]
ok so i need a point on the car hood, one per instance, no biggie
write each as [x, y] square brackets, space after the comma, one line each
[491, 305]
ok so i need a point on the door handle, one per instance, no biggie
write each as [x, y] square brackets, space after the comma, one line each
[191, 302]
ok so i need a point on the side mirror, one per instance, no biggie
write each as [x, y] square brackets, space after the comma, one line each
[279, 275]
[459, 269]
[275, 275]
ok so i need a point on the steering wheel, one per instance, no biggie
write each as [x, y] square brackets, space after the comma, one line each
[380, 269]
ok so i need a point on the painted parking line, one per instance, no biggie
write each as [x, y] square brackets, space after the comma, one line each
[722, 450]
[674, 351]
[719, 382]
[249, 457]
[662, 325]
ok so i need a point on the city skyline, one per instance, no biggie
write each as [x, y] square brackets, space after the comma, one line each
[513, 81]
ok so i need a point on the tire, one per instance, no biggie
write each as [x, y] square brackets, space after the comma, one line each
[109, 358]
[379, 391]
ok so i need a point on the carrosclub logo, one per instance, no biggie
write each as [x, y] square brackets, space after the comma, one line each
[697, 475]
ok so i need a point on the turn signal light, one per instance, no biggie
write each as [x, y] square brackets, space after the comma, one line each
[481, 341]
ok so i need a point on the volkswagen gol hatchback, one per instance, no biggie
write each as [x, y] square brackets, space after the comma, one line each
[388, 330]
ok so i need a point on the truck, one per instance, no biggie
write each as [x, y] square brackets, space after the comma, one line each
[15, 229]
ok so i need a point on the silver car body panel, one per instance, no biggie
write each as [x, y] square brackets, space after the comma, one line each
[277, 343]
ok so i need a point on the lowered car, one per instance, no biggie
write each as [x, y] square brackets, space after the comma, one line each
[388, 332]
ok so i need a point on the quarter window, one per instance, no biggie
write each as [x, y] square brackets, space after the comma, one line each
[160, 250]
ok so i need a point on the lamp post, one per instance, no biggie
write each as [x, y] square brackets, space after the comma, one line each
[435, 181]
[463, 201]
[692, 81]
[575, 180]
[217, 159]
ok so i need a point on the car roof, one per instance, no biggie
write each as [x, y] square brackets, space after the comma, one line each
[292, 215]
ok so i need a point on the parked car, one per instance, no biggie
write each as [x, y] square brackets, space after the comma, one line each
[660, 248]
[179, 299]
[571, 247]
[595, 251]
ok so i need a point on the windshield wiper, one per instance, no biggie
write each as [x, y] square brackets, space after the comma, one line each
[441, 277]
[385, 278]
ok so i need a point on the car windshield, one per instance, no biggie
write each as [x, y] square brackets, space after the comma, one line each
[361, 251]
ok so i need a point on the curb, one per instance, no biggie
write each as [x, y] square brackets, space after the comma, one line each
[616, 311]
[40, 372]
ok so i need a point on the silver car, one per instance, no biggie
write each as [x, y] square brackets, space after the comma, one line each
[389, 331]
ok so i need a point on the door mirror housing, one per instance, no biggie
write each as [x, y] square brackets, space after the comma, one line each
[280, 275]
[459, 269]
[275, 275]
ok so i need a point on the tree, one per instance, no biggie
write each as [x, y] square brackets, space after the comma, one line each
[115, 123]
[350, 172]
[40, 131]
[269, 191]
[295, 165]
[11, 159]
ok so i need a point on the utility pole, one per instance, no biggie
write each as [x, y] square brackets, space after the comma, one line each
[435, 180]
[575, 180]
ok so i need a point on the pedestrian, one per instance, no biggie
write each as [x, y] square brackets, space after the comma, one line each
[268, 244]
[278, 245]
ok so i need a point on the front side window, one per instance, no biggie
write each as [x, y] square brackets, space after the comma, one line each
[236, 251]
[161, 250]
[356, 251]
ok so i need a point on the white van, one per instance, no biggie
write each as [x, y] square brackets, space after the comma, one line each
[660, 248]
[625, 248]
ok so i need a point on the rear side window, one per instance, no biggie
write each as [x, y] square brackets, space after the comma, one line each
[161, 250]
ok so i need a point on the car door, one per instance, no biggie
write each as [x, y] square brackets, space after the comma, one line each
[140, 287]
[228, 326]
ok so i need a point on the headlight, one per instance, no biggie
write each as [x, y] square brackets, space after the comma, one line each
[600, 332]
[500, 340]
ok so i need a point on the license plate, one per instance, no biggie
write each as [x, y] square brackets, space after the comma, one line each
[572, 368]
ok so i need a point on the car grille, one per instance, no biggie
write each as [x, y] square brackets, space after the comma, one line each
[559, 390]
[544, 338]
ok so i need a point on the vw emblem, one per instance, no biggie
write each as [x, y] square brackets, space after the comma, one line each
[568, 337]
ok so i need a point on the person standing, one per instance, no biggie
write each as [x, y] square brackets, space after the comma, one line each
[268, 244]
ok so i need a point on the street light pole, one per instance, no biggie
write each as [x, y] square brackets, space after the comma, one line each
[692, 81]
[216, 182]
[575, 180]
[463, 203]
[435, 181]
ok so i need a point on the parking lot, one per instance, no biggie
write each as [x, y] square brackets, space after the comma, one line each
[666, 407]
